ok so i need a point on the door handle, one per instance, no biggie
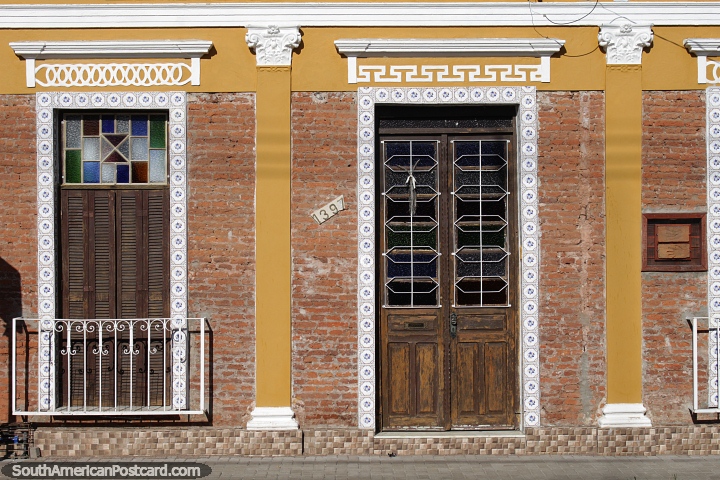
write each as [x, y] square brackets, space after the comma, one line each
[453, 325]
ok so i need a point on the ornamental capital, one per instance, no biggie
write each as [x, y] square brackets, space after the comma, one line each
[273, 44]
[624, 43]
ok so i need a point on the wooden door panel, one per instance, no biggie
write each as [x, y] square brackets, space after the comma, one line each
[495, 373]
[426, 356]
[399, 379]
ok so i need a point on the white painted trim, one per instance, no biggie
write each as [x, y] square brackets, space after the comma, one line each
[624, 415]
[272, 418]
[703, 48]
[624, 42]
[333, 14]
[112, 49]
[445, 47]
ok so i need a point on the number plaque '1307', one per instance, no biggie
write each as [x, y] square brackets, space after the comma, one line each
[326, 212]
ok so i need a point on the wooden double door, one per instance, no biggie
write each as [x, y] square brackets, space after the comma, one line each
[448, 275]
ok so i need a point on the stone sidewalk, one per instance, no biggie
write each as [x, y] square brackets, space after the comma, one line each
[442, 467]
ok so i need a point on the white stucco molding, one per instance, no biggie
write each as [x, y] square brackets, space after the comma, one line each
[624, 43]
[473, 47]
[703, 48]
[272, 418]
[354, 48]
[111, 49]
[273, 44]
[624, 415]
[361, 14]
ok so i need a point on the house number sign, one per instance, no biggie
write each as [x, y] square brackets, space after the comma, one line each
[326, 212]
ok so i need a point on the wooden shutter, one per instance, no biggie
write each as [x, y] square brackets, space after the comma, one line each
[115, 264]
[88, 256]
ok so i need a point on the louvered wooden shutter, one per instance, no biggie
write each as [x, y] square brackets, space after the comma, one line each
[88, 256]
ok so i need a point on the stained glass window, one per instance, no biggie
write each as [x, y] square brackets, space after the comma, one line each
[115, 149]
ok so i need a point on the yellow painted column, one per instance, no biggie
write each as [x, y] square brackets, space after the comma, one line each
[623, 214]
[273, 268]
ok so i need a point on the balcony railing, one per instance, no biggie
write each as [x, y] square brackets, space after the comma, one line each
[705, 365]
[109, 367]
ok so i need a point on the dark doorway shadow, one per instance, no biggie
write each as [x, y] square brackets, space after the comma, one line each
[10, 307]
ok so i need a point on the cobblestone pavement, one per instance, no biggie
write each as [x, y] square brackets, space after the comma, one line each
[442, 467]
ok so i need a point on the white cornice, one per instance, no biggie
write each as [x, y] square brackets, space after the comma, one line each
[112, 49]
[479, 47]
[703, 46]
[357, 14]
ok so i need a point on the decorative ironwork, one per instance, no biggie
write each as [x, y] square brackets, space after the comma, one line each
[111, 366]
[481, 250]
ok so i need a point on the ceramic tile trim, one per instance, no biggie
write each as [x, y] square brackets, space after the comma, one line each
[47, 105]
[529, 227]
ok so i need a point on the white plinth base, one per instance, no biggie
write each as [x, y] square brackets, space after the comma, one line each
[624, 415]
[272, 418]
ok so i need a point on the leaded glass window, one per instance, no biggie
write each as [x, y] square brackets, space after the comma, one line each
[115, 149]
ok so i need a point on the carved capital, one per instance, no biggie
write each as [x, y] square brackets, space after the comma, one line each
[624, 43]
[273, 45]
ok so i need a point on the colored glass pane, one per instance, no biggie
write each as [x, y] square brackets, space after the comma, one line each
[108, 124]
[91, 125]
[115, 139]
[139, 149]
[72, 131]
[123, 173]
[157, 166]
[123, 124]
[140, 125]
[139, 172]
[115, 157]
[157, 131]
[106, 148]
[108, 173]
[72, 166]
[124, 148]
[91, 172]
[91, 148]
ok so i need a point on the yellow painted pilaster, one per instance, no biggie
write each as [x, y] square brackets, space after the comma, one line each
[623, 182]
[623, 216]
[272, 234]
[273, 268]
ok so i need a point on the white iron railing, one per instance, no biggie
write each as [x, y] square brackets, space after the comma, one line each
[108, 367]
[709, 369]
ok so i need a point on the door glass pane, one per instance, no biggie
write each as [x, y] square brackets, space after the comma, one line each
[480, 208]
[411, 223]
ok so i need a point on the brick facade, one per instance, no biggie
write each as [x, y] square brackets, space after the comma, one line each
[324, 260]
[18, 223]
[221, 249]
[571, 189]
[674, 168]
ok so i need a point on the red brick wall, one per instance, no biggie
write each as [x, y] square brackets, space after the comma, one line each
[674, 166]
[324, 282]
[18, 229]
[221, 251]
[572, 318]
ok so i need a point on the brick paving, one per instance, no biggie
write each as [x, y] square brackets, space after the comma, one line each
[419, 467]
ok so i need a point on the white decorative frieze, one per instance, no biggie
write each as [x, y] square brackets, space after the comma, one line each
[448, 47]
[112, 74]
[273, 44]
[624, 43]
[451, 73]
[708, 70]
